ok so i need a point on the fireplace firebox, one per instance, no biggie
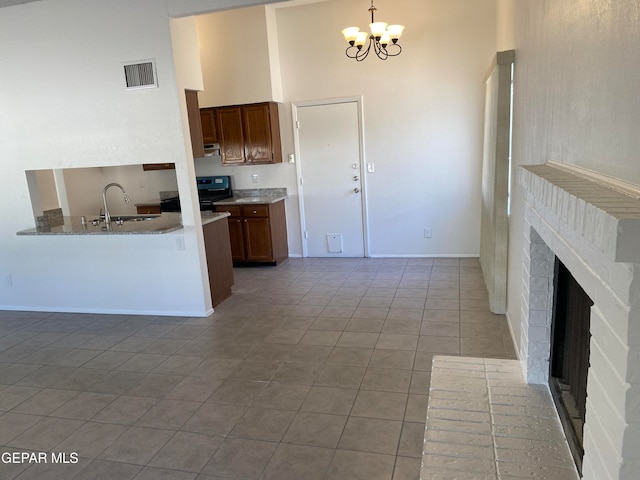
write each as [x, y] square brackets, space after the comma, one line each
[569, 360]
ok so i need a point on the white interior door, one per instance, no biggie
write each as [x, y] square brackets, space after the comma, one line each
[332, 201]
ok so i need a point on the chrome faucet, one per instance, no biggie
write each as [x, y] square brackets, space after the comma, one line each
[107, 217]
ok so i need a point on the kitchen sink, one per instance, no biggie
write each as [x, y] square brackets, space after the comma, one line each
[133, 218]
[126, 218]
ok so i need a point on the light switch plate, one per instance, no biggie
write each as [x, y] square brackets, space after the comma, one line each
[371, 167]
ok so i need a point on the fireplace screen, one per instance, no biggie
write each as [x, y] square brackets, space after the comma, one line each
[570, 356]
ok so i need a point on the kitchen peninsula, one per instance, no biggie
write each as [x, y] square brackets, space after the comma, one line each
[215, 230]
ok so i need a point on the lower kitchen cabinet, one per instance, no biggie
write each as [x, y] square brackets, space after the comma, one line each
[219, 263]
[148, 209]
[257, 232]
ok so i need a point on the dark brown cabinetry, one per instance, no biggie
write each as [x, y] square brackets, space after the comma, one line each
[195, 125]
[249, 134]
[219, 264]
[158, 166]
[208, 122]
[258, 233]
[149, 209]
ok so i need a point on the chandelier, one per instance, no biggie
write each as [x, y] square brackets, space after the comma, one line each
[384, 39]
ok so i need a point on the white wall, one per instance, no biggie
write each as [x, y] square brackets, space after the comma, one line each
[423, 115]
[576, 97]
[235, 57]
[84, 188]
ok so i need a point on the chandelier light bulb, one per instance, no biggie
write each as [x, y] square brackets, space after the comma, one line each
[361, 39]
[350, 34]
[385, 39]
[377, 29]
[395, 31]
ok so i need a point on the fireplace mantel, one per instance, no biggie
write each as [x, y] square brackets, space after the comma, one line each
[602, 214]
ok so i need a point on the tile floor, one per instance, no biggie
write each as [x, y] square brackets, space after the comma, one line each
[315, 369]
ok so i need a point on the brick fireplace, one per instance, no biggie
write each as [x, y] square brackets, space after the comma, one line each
[593, 227]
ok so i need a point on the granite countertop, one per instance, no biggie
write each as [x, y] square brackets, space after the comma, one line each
[254, 196]
[209, 217]
[156, 224]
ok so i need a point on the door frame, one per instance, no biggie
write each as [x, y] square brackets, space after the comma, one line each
[358, 100]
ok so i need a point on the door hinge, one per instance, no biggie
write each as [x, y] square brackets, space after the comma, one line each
[306, 235]
[301, 182]
[297, 124]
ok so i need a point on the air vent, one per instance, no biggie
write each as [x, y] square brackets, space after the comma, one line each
[140, 75]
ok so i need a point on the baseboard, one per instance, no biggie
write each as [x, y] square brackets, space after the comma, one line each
[154, 313]
[516, 345]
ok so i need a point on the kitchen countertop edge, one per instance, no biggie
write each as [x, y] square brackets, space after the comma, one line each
[257, 200]
[210, 217]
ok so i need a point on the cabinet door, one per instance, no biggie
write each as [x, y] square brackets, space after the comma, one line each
[229, 129]
[207, 119]
[218, 252]
[195, 126]
[236, 237]
[257, 133]
[257, 232]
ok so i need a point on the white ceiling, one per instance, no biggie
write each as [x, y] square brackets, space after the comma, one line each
[8, 3]
[289, 3]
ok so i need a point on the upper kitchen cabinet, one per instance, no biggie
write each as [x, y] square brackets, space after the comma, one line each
[208, 122]
[230, 135]
[249, 134]
[195, 125]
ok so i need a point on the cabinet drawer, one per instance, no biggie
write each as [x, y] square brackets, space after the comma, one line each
[255, 211]
[233, 211]
[148, 209]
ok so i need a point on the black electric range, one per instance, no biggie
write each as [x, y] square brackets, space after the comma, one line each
[210, 189]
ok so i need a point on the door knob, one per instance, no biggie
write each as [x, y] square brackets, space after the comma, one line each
[355, 178]
[356, 190]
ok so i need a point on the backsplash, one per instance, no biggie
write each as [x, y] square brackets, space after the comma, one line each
[260, 192]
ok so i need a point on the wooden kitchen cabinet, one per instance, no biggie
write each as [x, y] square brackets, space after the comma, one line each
[195, 125]
[158, 166]
[148, 209]
[249, 134]
[219, 263]
[258, 233]
[208, 122]
[230, 135]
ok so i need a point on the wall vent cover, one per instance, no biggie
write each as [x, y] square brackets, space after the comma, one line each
[141, 74]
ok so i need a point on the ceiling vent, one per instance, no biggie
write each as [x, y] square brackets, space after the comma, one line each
[140, 74]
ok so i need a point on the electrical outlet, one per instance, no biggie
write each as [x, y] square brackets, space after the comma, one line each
[254, 177]
[8, 281]
[427, 232]
[292, 158]
[180, 243]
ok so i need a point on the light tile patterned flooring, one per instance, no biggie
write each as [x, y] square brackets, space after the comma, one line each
[315, 369]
